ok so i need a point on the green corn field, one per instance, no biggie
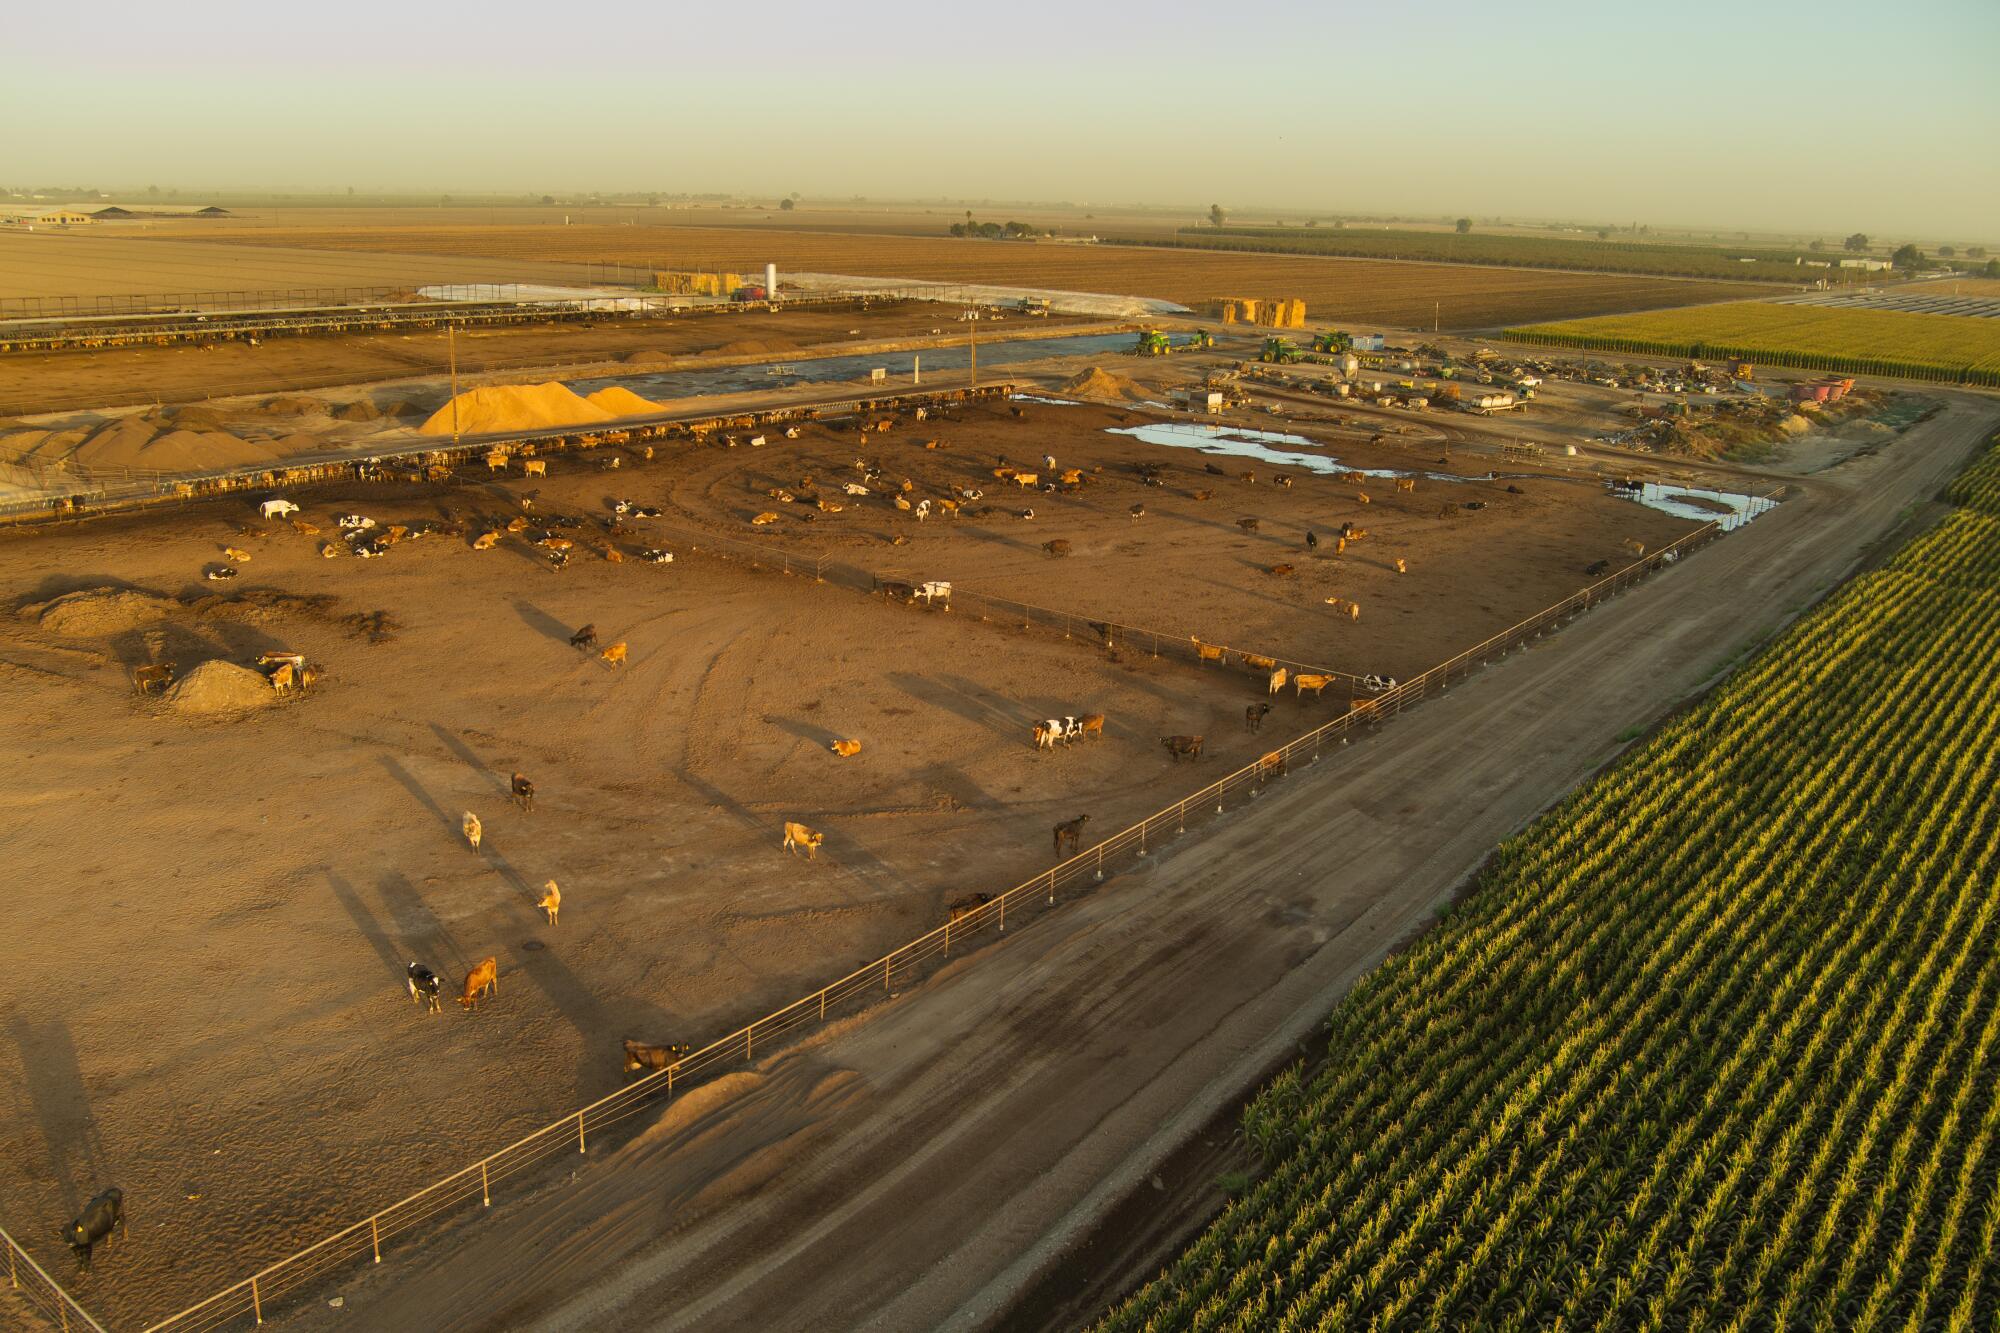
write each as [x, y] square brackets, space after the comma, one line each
[1950, 349]
[1715, 1044]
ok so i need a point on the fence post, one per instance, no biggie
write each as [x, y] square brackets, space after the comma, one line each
[256, 1301]
[1003, 913]
[1052, 888]
[375, 1237]
[485, 1191]
[579, 1131]
[885, 975]
[748, 1034]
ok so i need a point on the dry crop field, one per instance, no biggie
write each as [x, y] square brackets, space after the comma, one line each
[222, 1030]
[1353, 290]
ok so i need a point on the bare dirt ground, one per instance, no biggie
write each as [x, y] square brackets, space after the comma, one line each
[54, 381]
[917, 1169]
[1368, 291]
[207, 1008]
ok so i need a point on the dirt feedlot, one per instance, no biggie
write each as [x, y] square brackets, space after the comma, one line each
[214, 912]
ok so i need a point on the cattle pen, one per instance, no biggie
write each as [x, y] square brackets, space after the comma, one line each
[254, 1297]
[43, 1292]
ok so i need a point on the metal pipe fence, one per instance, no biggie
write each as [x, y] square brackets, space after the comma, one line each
[42, 1291]
[986, 920]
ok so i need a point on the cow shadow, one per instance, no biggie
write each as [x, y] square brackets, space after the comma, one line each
[954, 783]
[409, 783]
[969, 700]
[53, 1076]
[389, 951]
[472, 761]
[818, 737]
[58, 585]
[543, 623]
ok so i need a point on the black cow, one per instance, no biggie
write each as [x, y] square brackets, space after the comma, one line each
[524, 792]
[99, 1218]
[584, 638]
[1253, 716]
[424, 986]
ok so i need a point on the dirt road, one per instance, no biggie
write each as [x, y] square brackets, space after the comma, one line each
[918, 1169]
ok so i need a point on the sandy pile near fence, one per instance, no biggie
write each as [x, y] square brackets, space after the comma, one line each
[135, 442]
[1098, 382]
[500, 408]
[620, 401]
[220, 689]
[756, 347]
[649, 357]
[92, 613]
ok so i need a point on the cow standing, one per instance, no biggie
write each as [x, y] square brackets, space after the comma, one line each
[99, 1218]
[524, 792]
[425, 986]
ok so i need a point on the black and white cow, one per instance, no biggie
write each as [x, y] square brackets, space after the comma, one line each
[424, 986]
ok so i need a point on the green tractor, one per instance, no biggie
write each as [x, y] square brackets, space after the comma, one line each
[1199, 339]
[1279, 352]
[1333, 342]
[1152, 343]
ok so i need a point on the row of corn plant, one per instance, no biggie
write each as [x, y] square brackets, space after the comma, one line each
[1715, 1044]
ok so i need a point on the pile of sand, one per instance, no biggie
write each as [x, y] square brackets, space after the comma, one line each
[1098, 382]
[620, 401]
[650, 358]
[358, 410]
[293, 405]
[502, 408]
[136, 443]
[198, 416]
[95, 612]
[217, 689]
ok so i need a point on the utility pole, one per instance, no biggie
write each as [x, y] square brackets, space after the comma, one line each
[972, 336]
[451, 340]
[1437, 316]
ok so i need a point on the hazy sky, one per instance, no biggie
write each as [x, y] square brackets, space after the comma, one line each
[1825, 116]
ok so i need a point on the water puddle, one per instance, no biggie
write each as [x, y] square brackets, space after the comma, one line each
[1037, 398]
[1727, 508]
[1240, 442]
[665, 386]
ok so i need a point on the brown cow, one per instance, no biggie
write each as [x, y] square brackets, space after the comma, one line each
[1247, 524]
[1406, 483]
[1253, 717]
[1259, 662]
[1305, 681]
[551, 900]
[1271, 765]
[1091, 724]
[638, 1055]
[847, 749]
[1070, 831]
[966, 906]
[1182, 747]
[614, 656]
[584, 638]
[1056, 547]
[481, 981]
[798, 835]
[524, 791]
[152, 679]
[486, 541]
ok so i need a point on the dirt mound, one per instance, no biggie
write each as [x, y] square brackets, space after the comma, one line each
[216, 689]
[201, 451]
[1097, 382]
[620, 401]
[650, 358]
[1794, 424]
[358, 410]
[293, 405]
[116, 443]
[95, 612]
[515, 407]
[198, 416]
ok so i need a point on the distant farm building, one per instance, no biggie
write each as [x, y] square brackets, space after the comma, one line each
[1276, 313]
[45, 217]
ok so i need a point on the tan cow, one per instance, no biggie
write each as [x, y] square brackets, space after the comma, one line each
[518, 523]
[535, 467]
[614, 555]
[1361, 497]
[1027, 480]
[1402, 566]
[1352, 610]
[638, 1055]
[1259, 662]
[847, 749]
[472, 828]
[1306, 680]
[1206, 652]
[763, 519]
[1406, 483]
[284, 677]
[551, 900]
[486, 541]
[481, 981]
[152, 679]
[1091, 724]
[1275, 681]
[1631, 544]
[235, 555]
[614, 655]
[798, 835]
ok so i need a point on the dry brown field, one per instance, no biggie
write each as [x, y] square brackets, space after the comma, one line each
[212, 916]
[1456, 296]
